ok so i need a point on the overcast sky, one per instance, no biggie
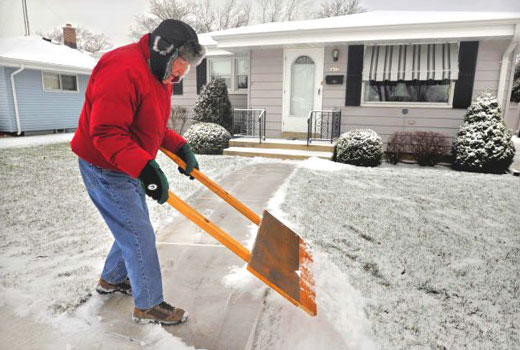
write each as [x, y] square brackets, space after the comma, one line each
[114, 17]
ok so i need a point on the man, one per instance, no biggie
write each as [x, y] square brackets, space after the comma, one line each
[122, 125]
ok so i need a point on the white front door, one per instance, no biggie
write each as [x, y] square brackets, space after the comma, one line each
[302, 90]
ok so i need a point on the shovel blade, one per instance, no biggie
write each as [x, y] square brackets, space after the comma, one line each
[279, 258]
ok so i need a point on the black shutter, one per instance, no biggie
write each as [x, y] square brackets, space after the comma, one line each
[354, 75]
[464, 86]
[201, 75]
[178, 88]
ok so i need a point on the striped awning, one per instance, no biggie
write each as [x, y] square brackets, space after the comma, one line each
[411, 62]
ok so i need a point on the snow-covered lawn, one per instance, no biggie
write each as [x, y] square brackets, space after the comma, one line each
[53, 241]
[406, 257]
[435, 254]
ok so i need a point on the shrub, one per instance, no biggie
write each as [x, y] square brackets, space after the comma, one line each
[213, 105]
[483, 143]
[207, 138]
[397, 147]
[178, 115]
[428, 148]
[359, 147]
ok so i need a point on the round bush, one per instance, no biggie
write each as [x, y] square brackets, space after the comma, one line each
[207, 138]
[359, 147]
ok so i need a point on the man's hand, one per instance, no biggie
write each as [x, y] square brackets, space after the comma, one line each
[154, 181]
[187, 155]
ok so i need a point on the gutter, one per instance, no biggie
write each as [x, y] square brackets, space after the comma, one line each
[503, 67]
[15, 99]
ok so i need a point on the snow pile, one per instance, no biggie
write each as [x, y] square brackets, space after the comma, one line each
[207, 138]
[359, 147]
[483, 143]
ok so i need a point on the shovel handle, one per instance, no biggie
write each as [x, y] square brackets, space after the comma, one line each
[219, 191]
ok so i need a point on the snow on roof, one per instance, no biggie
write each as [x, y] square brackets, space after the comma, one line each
[371, 19]
[35, 51]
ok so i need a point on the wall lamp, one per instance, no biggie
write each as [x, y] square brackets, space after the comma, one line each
[335, 54]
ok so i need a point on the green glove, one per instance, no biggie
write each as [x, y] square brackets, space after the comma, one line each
[187, 155]
[154, 181]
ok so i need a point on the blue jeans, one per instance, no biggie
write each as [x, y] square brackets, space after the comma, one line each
[121, 201]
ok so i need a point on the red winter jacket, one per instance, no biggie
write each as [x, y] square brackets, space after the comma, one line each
[124, 119]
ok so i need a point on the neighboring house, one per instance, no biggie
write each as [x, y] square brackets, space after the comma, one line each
[385, 70]
[42, 84]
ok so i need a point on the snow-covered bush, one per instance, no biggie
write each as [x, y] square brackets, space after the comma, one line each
[359, 147]
[483, 143]
[213, 105]
[207, 138]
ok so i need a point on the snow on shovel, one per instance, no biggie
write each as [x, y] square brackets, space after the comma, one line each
[278, 257]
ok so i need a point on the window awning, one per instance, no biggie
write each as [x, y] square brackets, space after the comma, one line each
[411, 62]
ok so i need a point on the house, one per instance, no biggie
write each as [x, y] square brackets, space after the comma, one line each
[42, 83]
[384, 70]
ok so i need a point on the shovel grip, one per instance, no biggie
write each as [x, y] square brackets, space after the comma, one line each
[219, 191]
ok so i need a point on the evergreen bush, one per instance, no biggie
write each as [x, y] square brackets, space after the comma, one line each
[483, 143]
[213, 105]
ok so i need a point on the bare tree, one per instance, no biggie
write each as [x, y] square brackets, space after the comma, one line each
[207, 16]
[333, 8]
[202, 15]
[85, 39]
[282, 10]
[164, 9]
[233, 14]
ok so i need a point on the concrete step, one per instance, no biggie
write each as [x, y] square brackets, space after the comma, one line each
[319, 146]
[275, 153]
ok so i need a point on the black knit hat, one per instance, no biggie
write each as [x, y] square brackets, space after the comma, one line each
[171, 39]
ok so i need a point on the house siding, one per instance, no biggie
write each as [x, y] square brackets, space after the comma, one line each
[387, 120]
[6, 110]
[41, 110]
[189, 98]
[266, 72]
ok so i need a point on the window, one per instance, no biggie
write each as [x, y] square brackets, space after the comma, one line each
[411, 73]
[433, 91]
[59, 82]
[235, 71]
[241, 72]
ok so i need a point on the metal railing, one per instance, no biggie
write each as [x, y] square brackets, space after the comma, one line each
[323, 125]
[249, 122]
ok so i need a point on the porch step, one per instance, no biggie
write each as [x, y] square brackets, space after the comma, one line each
[319, 146]
[279, 153]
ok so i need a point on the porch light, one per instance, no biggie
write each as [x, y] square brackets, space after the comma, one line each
[335, 54]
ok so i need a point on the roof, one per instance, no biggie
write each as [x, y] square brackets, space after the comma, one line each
[35, 52]
[368, 26]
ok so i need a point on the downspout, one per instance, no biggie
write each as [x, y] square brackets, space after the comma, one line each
[505, 63]
[15, 99]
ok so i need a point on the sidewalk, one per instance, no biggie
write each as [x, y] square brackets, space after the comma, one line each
[194, 264]
[25, 141]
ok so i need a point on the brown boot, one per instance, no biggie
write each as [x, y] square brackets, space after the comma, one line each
[104, 287]
[163, 313]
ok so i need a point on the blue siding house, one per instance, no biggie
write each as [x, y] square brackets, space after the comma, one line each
[49, 85]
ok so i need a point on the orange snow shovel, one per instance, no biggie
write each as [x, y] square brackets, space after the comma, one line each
[278, 257]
